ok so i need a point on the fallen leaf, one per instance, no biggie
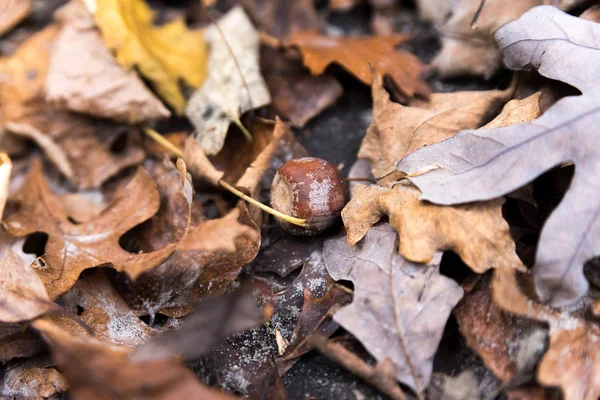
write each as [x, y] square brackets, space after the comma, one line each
[467, 42]
[96, 370]
[12, 12]
[18, 342]
[5, 170]
[399, 309]
[280, 18]
[397, 130]
[233, 85]
[212, 321]
[296, 94]
[484, 164]
[358, 54]
[533, 393]
[165, 54]
[22, 293]
[80, 147]
[343, 5]
[571, 361]
[32, 378]
[476, 231]
[83, 76]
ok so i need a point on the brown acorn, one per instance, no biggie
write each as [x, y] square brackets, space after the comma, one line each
[308, 188]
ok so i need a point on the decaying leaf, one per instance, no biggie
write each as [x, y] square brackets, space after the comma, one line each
[212, 321]
[297, 95]
[358, 54]
[399, 309]
[96, 370]
[234, 84]
[467, 36]
[572, 361]
[476, 231]
[485, 164]
[12, 12]
[397, 130]
[31, 379]
[22, 293]
[164, 54]
[79, 146]
[17, 342]
[5, 170]
[83, 76]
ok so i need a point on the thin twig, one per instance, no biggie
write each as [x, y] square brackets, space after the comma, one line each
[377, 376]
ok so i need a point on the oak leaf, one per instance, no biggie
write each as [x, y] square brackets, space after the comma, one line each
[487, 163]
[83, 76]
[572, 361]
[399, 309]
[79, 146]
[97, 370]
[32, 378]
[165, 54]
[467, 28]
[398, 130]
[358, 54]
[233, 85]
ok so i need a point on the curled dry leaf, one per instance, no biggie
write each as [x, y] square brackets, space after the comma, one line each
[79, 146]
[358, 54]
[32, 378]
[234, 84]
[467, 47]
[399, 309]
[476, 231]
[166, 54]
[83, 76]
[397, 130]
[572, 361]
[22, 293]
[485, 164]
[212, 321]
[96, 370]
[12, 12]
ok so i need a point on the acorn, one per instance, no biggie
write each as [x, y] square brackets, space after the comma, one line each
[311, 189]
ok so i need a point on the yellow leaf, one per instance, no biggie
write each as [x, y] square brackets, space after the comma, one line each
[164, 54]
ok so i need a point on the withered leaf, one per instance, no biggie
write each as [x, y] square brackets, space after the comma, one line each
[572, 361]
[32, 378]
[96, 370]
[213, 320]
[22, 293]
[399, 309]
[83, 76]
[17, 342]
[234, 84]
[485, 164]
[397, 130]
[358, 54]
[467, 47]
[79, 146]
[476, 231]
[12, 12]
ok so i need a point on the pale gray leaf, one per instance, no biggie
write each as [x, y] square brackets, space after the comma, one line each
[392, 297]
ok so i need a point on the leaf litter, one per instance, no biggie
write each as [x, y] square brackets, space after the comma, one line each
[127, 270]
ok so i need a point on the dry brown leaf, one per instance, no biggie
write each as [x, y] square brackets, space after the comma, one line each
[22, 293]
[83, 75]
[96, 370]
[467, 48]
[296, 95]
[358, 54]
[17, 342]
[572, 361]
[12, 12]
[80, 147]
[234, 84]
[476, 231]
[31, 379]
[397, 130]
[199, 164]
